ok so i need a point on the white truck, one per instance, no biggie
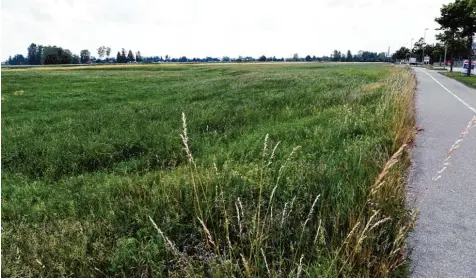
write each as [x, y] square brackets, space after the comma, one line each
[464, 69]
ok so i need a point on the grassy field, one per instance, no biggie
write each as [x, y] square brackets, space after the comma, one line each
[216, 170]
[469, 81]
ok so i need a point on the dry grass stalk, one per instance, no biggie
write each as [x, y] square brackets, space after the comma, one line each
[207, 233]
[300, 266]
[318, 232]
[184, 137]
[168, 243]
[265, 262]
[284, 214]
[265, 147]
[311, 211]
[392, 161]
[272, 153]
[239, 220]
[246, 266]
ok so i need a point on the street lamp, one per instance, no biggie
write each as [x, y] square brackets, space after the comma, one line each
[423, 46]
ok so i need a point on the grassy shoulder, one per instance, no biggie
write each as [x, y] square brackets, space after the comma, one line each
[469, 81]
[271, 170]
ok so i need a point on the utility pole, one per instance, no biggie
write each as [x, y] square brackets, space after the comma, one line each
[423, 46]
[411, 49]
[444, 61]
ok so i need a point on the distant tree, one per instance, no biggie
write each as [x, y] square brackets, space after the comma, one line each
[225, 59]
[336, 55]
[85, 56]
[239, 59]
[262, 58]
[35, 53]
[118, 57]
[32, 55]
[308, 58]
[401, 54]
[108, 52]
[295, 57]
[138, 57]
[75, 59]
[349, 56]
[101, 51]
[342, 58]
[123, 56]
[18, 59]
[130, 56]
[167, 57]
[56, 55]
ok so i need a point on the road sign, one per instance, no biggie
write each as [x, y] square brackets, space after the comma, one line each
[426, 59]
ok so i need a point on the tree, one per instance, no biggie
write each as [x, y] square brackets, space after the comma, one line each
[295, 57]
[342, 57]
[75, 59]
[108, 52]
[18, 59]
[336, 55]
[138, 57]
[118, 57]
[465, 16]
[123, 56]
[130, 56]
[56, 55]
[308, 58]
[101, 51]
[32, 55]
[85, 56]
[349, 56]
[262, 58]
[225, 59]
[450, 27]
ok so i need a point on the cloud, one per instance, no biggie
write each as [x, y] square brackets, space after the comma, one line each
[215, 27]
[39, 15]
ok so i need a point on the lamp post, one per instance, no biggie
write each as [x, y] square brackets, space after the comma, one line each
[423, 46]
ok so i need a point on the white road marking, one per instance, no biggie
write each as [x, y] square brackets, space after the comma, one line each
[449, 91]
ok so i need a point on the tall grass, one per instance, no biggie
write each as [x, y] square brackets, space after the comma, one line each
[373, 246]
[322, 195]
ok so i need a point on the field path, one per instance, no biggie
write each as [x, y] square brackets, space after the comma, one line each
[443, 243]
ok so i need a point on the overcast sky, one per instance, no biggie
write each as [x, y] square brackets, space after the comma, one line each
[199, 28]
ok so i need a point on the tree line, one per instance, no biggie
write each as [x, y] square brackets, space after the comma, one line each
[45, 55]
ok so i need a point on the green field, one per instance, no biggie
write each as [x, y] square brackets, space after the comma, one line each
[469, 81]
[275, 173]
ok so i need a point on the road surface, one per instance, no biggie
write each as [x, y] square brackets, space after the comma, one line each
[443, 243]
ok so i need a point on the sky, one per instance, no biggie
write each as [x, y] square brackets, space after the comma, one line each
[199, 28]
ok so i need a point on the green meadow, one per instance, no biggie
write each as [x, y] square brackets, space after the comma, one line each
[247, 170]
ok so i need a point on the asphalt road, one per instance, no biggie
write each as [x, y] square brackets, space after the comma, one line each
[443, 243]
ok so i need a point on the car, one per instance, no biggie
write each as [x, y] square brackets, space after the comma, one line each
[448, 63]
